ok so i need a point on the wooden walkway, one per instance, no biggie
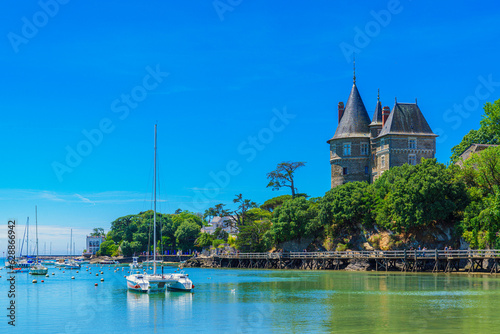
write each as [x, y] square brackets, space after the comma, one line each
[401, 260]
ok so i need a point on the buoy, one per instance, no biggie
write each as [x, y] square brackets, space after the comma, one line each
[47, 275]
[77, 271]
[86, 270]
[95, 284]
[72, 277]
[102, 279]
[42, 281]
[124, 276]
[53, 274]
[63, 272]
[34, 281]
[97, 274]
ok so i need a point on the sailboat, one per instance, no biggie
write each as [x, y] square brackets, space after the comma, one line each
[71, 263]
[22, 265]
[37, 268]
[158, 282]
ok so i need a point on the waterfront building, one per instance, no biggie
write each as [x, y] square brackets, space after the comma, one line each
[474, 148]
[94, 243]
[225, 223]
[362, 149]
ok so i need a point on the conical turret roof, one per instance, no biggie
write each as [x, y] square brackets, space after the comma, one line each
[377, 115]
[355, 121]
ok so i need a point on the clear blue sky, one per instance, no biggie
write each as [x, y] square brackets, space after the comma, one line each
[235, 86]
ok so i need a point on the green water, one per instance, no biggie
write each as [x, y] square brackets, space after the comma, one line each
[258, 301]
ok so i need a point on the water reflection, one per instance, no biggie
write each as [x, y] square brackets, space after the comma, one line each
[158, 309]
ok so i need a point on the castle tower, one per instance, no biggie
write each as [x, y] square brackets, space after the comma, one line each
[406, 137]
[350, 145]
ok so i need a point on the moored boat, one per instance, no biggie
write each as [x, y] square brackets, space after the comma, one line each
[155, 282]
[37, 268]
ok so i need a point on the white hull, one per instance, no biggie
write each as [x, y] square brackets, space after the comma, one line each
[158, 283]
[39, 271]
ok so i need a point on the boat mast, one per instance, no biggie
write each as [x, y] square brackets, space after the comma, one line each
[154, 213]
[36, 234]
[70, 242]
[28, 239]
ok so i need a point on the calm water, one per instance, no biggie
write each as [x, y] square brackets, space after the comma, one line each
[256, 301]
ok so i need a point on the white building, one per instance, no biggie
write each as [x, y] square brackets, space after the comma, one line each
[225, 223]
[93, 243]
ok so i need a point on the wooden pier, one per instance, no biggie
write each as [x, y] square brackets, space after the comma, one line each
[399, 260]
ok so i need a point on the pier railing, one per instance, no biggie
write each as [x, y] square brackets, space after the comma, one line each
[376, 254]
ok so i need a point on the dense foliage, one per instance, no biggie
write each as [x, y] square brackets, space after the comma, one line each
[488, 133]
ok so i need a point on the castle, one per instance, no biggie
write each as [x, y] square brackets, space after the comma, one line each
[362, 149]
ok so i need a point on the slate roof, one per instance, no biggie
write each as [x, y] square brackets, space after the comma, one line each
[355, 121]
[406, 118]
[377, 115]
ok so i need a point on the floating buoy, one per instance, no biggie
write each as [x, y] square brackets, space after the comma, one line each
[86, 270]
[47, 275]
[34, 281]
[72, 277]
[53, 274]
[102, 279]
[95, 284]
[77, 271]
[63, 272]
[124, 276]
[97, 274]
[42, 281]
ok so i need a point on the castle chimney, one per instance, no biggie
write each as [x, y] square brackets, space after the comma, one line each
[385, 114]
[341, 110]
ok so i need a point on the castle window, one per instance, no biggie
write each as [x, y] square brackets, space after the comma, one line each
[345, 170]
[412, 159]
[347, 149]
[364, 149]
[366, 169]
[382, 161]
[412, 143]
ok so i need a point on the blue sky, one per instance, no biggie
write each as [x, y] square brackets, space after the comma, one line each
[235, 87]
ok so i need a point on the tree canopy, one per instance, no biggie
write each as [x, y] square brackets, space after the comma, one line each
[283, 176]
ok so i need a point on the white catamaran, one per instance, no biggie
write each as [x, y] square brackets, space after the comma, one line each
[37, 268]
[158, 282]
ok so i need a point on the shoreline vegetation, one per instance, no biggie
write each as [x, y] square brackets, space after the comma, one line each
[429, 205]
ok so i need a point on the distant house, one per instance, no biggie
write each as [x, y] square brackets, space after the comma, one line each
[474, 148]
[94, 243]
[225, 223]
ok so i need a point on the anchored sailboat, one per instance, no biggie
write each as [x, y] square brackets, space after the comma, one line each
[37, 268]
[158, 282]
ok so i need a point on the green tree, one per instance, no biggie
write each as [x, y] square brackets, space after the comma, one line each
[283, 176]
[186, 234]
[488, 133]
[204, 240]
[98, 232]
[481, 172]
[107, 248]
[255, 236]
[126, 248]
[295, 219]
[272, 203]
[348, 205]
[415, 197]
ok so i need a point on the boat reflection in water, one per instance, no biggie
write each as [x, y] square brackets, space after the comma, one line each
[158, 309]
